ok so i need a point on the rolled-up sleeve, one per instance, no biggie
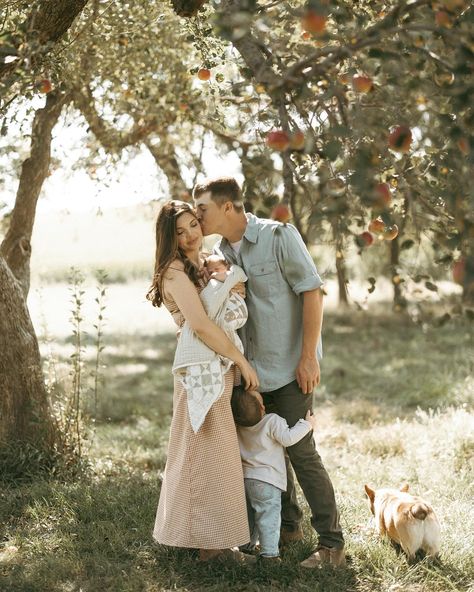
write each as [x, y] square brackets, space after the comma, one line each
[295, 261]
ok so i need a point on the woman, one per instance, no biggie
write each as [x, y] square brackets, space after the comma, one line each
[202, 501]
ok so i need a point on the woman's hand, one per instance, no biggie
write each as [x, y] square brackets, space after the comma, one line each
[249, 375]
[239, 289]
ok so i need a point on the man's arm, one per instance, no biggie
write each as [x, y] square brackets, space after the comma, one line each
[300, 272]
[307, 371]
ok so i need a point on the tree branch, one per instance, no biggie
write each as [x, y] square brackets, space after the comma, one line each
[47, 23]
[111, 139]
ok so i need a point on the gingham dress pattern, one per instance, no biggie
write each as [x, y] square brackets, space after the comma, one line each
[202, 500]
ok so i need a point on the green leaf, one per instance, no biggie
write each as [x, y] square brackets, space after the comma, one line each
[332, 149]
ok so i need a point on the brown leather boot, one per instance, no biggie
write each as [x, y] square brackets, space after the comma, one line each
[325, 556]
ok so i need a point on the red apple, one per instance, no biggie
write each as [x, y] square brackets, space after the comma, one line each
[278, 140]
[399, 139]
[390, 232]
[376, 226]
[362, 84]
[44, 86]
[204, 74]
[382, 196]
[365, 239]
[443, 19]
[459, 271]
[463, 145]
[313, 22]
[297, 140]
[281, 213]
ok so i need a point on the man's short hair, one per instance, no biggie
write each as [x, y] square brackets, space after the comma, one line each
[245, 407]
[222, 189]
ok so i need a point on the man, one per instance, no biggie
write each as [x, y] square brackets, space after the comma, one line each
[282, 340]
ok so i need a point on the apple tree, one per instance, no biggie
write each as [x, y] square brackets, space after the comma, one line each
[367, 105]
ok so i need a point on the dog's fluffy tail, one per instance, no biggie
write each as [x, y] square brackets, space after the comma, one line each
[419, 511]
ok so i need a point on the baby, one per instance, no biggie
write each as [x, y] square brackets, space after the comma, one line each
[262, 439]
[217, 267]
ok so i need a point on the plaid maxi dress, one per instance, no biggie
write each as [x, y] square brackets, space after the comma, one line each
[202, 500]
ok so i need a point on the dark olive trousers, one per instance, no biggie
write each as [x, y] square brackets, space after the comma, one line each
[289, 402]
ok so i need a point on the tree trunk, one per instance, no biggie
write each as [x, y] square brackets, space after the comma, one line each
[468, 280]
[399, 300]
[165, 158]
[16, 247]
[24, 410]
[47, 23]
[25, 416]
[340, 265]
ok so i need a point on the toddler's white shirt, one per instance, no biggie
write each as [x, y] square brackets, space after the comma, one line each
[262, 447]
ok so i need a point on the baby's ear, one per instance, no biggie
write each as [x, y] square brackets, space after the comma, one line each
[404, 487]
[370, 493]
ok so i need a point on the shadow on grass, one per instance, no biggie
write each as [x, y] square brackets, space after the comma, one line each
[96, 535]
[136, 379]
[376, 368]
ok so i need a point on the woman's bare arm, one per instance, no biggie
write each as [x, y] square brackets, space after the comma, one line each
[184, 293]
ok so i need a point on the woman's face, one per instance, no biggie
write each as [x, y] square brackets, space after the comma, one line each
[189, 233]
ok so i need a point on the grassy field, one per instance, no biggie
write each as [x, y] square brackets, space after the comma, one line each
[395, 406]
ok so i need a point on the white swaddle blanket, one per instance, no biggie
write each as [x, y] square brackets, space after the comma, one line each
[200, 369]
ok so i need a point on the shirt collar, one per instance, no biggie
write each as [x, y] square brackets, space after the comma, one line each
[251, 232]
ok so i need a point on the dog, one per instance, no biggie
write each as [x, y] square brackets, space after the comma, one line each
[407, 520]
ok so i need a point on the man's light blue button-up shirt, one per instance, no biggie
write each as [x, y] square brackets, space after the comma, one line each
[279, 270]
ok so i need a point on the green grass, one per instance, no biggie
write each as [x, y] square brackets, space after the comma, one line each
[395, 406]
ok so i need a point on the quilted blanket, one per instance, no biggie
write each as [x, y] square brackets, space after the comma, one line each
[200, 369]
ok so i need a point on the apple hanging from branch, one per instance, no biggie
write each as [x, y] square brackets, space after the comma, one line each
[278, 140]
[362, 83]
[281, 213]
[400, 138]
[313, 22]
[204, 74]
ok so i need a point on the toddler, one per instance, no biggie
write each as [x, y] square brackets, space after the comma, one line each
[262, 439]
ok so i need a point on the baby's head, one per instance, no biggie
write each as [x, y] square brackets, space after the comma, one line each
[216, 264]
[247, 407]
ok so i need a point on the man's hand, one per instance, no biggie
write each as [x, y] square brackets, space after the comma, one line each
[308, 374]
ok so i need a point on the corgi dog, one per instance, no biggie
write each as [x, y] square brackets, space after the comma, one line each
[407, 520]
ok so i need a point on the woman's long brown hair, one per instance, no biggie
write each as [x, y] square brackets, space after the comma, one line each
[167, 249]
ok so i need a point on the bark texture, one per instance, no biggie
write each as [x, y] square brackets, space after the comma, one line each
[24, 410]
[16, 247]
[165, 158]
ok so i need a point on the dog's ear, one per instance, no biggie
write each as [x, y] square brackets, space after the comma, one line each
[370, 493]
[404, 487]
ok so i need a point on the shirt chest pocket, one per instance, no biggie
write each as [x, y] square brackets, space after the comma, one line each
[263, 278]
